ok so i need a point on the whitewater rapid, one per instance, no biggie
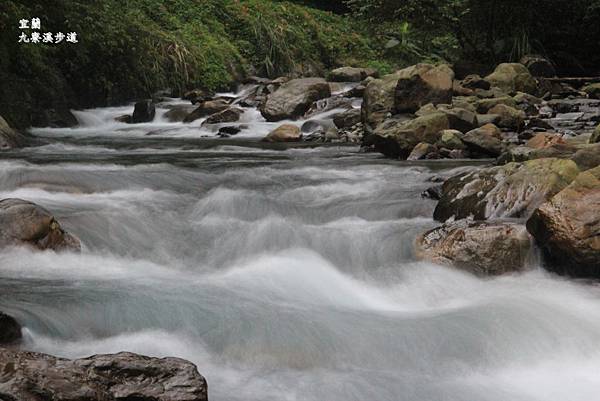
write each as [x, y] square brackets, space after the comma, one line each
[283, 274]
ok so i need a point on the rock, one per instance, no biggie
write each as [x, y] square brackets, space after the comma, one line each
[143, 112]
[357, 91]
[25, 223]
[10, 138]
[408, 133]
[511, 191]
[378, 100]
[294, 98]
[125, 376]
[567, 227]
[587, 157]
[421, 150]
[347, 119]
[125, 119]
[230, 130]
[56, 118]
[229, 115]
[513, 77]
[592, 90]
[330, 103]
[179, 112]
[538, 123]
[485, 140]
[206, 108]
[509, 117]
[422, 84]
[10, 330]
[284, 133]
[544, 140]
[482, 248]
[351, 74]
[386, 146]
[485, 105]
[475, 82]
[538, 66]
[451, 139]
[197, 96]
[460, 119]
[595, 138]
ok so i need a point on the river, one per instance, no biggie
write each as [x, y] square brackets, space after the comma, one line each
[283, 274]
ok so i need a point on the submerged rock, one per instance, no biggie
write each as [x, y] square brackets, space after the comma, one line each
[567, 227]
[125, 376]
[512, 190]
[25, 223]
[10, 138]
[143, 112]
[10, 330]
[294, 98]
[483, 248]
[284, 133]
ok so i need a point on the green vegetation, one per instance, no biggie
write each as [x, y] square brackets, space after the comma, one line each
[131, 48]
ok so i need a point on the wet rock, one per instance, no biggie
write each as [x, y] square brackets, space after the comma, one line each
[567, 227]
[482, 248]
[421, 151]
[143, 112]
[334, 102]
[230, 130]
[347, 118]
[486, 141]
[510, 191]
[422, 84]
[125, 376]
[10, 330]
[179, 112]
[206, 108]
[513, 77]
[25, 223]
[197, 96]
[229, 115]
[125, 119]
[386, 146]
[538, 66]
[55, 118]
[284, 133]
[592, 90]
[10, 138]
[294, 98]
[357, 91]
[509, 117]
[351, 74]
[434, 193]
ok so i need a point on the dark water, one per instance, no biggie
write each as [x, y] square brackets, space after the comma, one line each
[284, 275]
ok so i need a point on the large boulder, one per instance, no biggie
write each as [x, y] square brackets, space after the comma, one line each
[538, 66]
[9, 138]
[513, 77]
[545, 140]
[294, 98]
[422, 84]
[351, 74]
[510, 117]
[10, 330]
[284, 133]
[587, 157]
[31, 376]
[206, 108]
[347, 119]
[378, 100]
[408, 133]
[567, 227]
[514, 190]
[483, 248]
[25, 223]
[485, 141]
[143, 112]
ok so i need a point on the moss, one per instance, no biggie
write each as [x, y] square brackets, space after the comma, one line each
[130, 49]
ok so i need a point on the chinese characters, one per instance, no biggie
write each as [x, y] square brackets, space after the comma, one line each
[35, 36]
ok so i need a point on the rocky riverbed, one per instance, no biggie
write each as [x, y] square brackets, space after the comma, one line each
[249, 232]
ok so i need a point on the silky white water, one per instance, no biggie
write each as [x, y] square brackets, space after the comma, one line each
[283, 274]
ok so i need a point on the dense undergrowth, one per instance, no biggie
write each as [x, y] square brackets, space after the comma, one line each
[131, 48]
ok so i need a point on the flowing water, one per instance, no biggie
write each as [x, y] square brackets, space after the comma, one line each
[283, 274]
